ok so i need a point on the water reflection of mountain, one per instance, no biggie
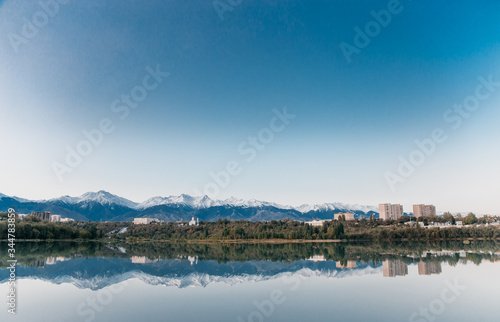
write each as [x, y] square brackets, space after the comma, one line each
[96, 273]
[95, 266]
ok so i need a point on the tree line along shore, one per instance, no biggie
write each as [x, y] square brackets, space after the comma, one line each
[286, 230]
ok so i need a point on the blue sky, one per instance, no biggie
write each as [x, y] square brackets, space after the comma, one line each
[353, 120]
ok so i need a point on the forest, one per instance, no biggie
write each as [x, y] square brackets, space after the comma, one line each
[32, 228]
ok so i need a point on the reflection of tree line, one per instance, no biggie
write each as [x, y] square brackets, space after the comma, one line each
[39, 254]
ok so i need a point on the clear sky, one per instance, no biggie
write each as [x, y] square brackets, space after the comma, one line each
[62, 68]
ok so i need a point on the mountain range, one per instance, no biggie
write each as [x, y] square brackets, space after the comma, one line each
[104, 206]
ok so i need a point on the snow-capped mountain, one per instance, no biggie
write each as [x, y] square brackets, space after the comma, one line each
[14, 197]
[335, 206]
[102, 197]
[104, 206]
[206, 202]
[201, 202]
[186, 200]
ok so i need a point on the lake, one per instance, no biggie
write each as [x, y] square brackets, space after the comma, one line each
[64, 281]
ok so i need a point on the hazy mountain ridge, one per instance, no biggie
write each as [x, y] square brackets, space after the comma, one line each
[104, 206]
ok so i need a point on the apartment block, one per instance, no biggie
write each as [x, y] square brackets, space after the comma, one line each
[390, 211]
[347, 215]
[43, 215]
[424, 210]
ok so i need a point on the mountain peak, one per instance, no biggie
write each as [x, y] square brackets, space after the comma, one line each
[101, 196]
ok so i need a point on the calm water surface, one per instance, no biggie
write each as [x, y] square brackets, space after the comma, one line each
[323, 282]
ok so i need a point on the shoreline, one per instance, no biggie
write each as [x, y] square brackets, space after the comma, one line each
[254, 241]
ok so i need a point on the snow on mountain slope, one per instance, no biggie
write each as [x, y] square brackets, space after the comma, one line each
[206, 202]
[201, 202]
[14, 197]
[200, 279]
[335, 206]
[251, 203]
[196, 202]
[102, 197]
[186, 200]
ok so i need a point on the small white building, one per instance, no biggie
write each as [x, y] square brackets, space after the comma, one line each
[458, 223]
[142, 260]
[55, 218]
[194, 222]
[317, 222]
[440, 224]
[66, 220]
[143, 221]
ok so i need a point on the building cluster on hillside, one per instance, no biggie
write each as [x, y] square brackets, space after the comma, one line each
[339, 216]
[47, 215]
[147, 221]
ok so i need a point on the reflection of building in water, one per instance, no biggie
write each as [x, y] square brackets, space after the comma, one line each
[142, 260]
[394, 268]
[349, 265]
[39, 263]
[317, 258]
[51, 260]
[428, 268]
[193, 260]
